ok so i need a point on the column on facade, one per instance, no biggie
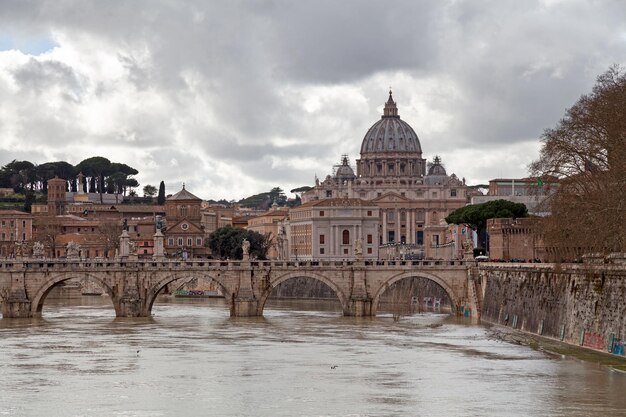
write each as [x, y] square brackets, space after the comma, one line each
[397, 219]
[413, 226]
[384, 226]
[331, 241]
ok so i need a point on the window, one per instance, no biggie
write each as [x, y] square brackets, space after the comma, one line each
[321, 239]
[321, 251]
[369, 239]
[369, 250]
[23, 236]
[419, 237]
[329, 193]
[346, 237]
[4, 236]
[189, 241]
[199, 241]
[184, 226]
[369, 213]
[403, 216]
[180, 241]
[3, 223]
[183, 211]
[321, 213]
[23, 223]
[391, 216]
[403, 194]
[345, 251]
[452, 193]
[170, 241]
[391, 236]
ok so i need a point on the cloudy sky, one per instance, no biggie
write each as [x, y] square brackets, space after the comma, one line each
[236, 97]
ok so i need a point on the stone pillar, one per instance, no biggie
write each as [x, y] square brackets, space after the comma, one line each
[384, 226]
[124, 244]
[243, 303]
[17, 304]
[159, 251]
[360, 303]
[397, 217]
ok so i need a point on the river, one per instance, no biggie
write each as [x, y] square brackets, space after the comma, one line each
[302, 359]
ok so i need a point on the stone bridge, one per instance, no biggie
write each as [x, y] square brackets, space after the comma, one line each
[134, 285]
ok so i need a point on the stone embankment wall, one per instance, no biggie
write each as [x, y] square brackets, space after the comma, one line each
[581, 304]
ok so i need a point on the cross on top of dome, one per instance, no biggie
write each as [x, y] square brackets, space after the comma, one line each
[390, 107]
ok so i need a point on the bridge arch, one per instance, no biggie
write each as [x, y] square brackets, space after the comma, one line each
[48, 285]
[154, 290]
[454, 299]
[274, 282]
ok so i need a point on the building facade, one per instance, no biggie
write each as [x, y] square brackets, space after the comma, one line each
[16, 229]
[334, 228]
[413, 196]
[184, 236]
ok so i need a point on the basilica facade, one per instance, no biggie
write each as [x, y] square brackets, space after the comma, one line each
[413, 196]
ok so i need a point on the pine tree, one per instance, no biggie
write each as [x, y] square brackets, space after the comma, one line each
[161, 196]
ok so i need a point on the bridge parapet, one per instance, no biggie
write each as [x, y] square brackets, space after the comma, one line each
[173, 264]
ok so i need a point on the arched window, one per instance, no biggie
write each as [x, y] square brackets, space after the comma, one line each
[346, 237]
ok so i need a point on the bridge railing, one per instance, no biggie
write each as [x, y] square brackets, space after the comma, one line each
[208, 264]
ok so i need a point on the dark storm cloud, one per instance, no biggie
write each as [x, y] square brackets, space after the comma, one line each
[218, 92]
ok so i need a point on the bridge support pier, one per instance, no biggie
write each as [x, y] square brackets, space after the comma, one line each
[244, 304]
[16, 307]
[359, 308]
[131, 305]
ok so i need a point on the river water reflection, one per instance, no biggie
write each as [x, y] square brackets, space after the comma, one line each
[301, 359]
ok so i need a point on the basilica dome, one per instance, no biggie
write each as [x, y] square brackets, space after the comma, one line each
[390, 134]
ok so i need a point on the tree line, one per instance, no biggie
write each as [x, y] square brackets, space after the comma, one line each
[101, 176]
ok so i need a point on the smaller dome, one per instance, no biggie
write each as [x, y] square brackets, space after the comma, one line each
[344, 171]
[436, 168]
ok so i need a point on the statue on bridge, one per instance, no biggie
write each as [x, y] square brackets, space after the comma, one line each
[72, 250]
[38, 250]
[358, 247]
[245, 246]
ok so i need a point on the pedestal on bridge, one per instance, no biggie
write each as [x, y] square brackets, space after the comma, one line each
[159, 251]
[124, 244]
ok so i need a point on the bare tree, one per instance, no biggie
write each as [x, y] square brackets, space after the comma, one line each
[47, 229]
[587, 152]
[109, 236]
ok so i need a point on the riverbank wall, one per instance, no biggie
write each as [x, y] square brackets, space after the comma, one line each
[580, 304]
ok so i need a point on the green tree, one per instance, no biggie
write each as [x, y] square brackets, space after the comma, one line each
[161, 195]
[149, 190]
[226, 242]
[475, 216]
[19, 175]
[96, 167]
[587, 152]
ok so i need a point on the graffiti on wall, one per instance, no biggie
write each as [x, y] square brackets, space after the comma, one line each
[616, 346]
